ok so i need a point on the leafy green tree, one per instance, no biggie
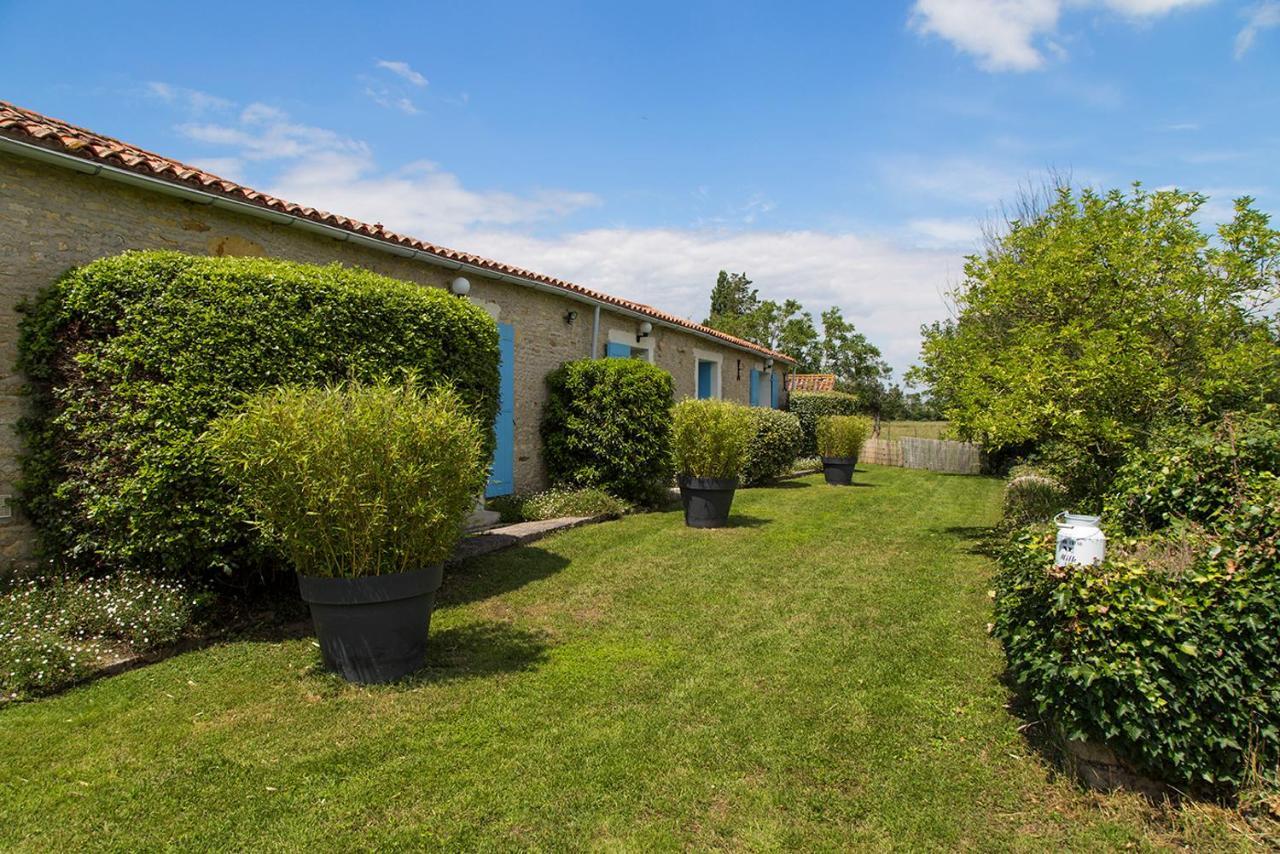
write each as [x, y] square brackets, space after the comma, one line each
[1101, 316]
[855, 361]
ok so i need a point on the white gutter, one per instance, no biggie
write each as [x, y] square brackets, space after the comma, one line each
[202, 197]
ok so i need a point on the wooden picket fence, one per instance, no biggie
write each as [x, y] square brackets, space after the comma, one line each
[882, 452]
[939, 455]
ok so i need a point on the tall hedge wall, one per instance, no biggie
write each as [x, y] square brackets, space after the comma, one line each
[608, 424]
[809, 406]
[130, 358]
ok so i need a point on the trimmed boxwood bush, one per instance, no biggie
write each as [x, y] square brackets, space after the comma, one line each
[607, 425]
[131, 357]
[773, 447]
[709, 438]
[809, 406]
[356, 480]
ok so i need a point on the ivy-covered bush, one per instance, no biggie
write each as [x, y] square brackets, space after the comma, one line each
[773, 447]
[355, 480]
[131, 357]
[809, 406]
[709, 438]
[1196, 473]
[607, 425]
[1170, 650]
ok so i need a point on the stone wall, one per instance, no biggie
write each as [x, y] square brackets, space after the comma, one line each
[52, 219]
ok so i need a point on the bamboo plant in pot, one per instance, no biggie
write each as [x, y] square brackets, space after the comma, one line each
[365, 488]
[840, 439]
[709, 441]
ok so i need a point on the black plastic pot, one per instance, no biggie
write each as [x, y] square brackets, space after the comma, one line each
[839, 470]
[373, 629]
[707, 500]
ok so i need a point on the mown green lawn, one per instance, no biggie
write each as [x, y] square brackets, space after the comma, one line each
[817, 676]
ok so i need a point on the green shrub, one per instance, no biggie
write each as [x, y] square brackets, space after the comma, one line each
[131, 357]
[1196, 473]
[842, 435]
[356, 480]
[809, 406]
[55, 631]
[774, 444]
[1169, 652]
[709, 438]
[606, 425]
[1032, 496]
[558, 504]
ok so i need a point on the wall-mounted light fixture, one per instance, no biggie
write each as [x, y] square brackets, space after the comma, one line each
[570, 316]
[768, 365]
[460, 287]
[644, 331]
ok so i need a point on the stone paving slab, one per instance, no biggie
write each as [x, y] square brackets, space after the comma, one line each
[520, 533]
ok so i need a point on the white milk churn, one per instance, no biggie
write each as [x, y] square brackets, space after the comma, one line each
[1080, 540]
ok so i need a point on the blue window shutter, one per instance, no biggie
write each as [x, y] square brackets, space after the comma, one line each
[704, 380]
[774, 387]
[502, 473]
[755, 387]
[617, 351]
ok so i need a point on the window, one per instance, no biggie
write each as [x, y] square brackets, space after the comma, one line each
[623, 345]
[706, 374]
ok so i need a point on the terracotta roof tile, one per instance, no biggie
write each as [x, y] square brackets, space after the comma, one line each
[26, 125]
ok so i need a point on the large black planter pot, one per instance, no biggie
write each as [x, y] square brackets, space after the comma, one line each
[707, 500]
[839, 470]
[373, 629]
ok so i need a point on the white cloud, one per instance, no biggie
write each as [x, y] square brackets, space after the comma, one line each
[1264, 16]
[887, 285]
[887, 289]
[193, 99]
[384, 98]
[1012, 35]
[266, 133]
[998, 32]
[963, 180]
[933, 233]
[402, 69]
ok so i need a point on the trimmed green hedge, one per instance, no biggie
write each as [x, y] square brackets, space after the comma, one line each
[131, 357]
[774, 446]
[809, 406]
[607, 425]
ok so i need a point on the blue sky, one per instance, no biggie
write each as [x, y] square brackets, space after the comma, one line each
[841, 153]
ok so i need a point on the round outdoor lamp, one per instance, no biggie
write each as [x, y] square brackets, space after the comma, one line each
[645, 328]
[460, 287]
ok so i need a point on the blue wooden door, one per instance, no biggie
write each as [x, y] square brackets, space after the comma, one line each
[502, 475]
[755, 387]
[704, 379]
[775, 388]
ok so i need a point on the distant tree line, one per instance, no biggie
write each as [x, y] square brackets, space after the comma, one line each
[840, 349]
